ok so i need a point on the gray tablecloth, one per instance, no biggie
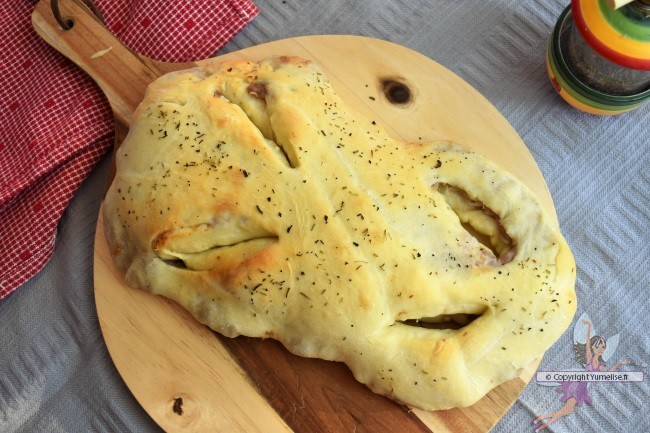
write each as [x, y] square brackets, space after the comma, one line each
[57, 376]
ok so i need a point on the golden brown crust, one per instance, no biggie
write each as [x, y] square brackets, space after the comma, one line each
[250, 194]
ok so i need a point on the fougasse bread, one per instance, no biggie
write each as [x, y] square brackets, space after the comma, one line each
[252, 196]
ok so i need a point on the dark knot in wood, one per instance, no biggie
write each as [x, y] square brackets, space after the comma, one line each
[178, 406]
[396, 92]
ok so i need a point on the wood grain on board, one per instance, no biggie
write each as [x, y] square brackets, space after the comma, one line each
[187, 377]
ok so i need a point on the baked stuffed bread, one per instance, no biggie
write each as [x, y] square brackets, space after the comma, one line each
[252, 196]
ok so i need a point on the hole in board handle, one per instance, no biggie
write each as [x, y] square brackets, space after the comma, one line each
[66, 23]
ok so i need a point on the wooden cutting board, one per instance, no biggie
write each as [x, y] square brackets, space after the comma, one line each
[187, 377]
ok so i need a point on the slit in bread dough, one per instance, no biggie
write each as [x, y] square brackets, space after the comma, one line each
[444, 321]
[479, 221]
[201, 246]
[211, 257]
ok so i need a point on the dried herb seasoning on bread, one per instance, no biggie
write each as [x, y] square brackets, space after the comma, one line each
[252, 195]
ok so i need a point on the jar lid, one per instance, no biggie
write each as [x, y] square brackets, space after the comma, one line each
[620, 35]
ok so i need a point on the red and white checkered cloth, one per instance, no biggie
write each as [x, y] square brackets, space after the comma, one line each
[55, 124]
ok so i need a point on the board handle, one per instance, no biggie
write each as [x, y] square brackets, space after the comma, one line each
[75, 30]
[122, 74]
